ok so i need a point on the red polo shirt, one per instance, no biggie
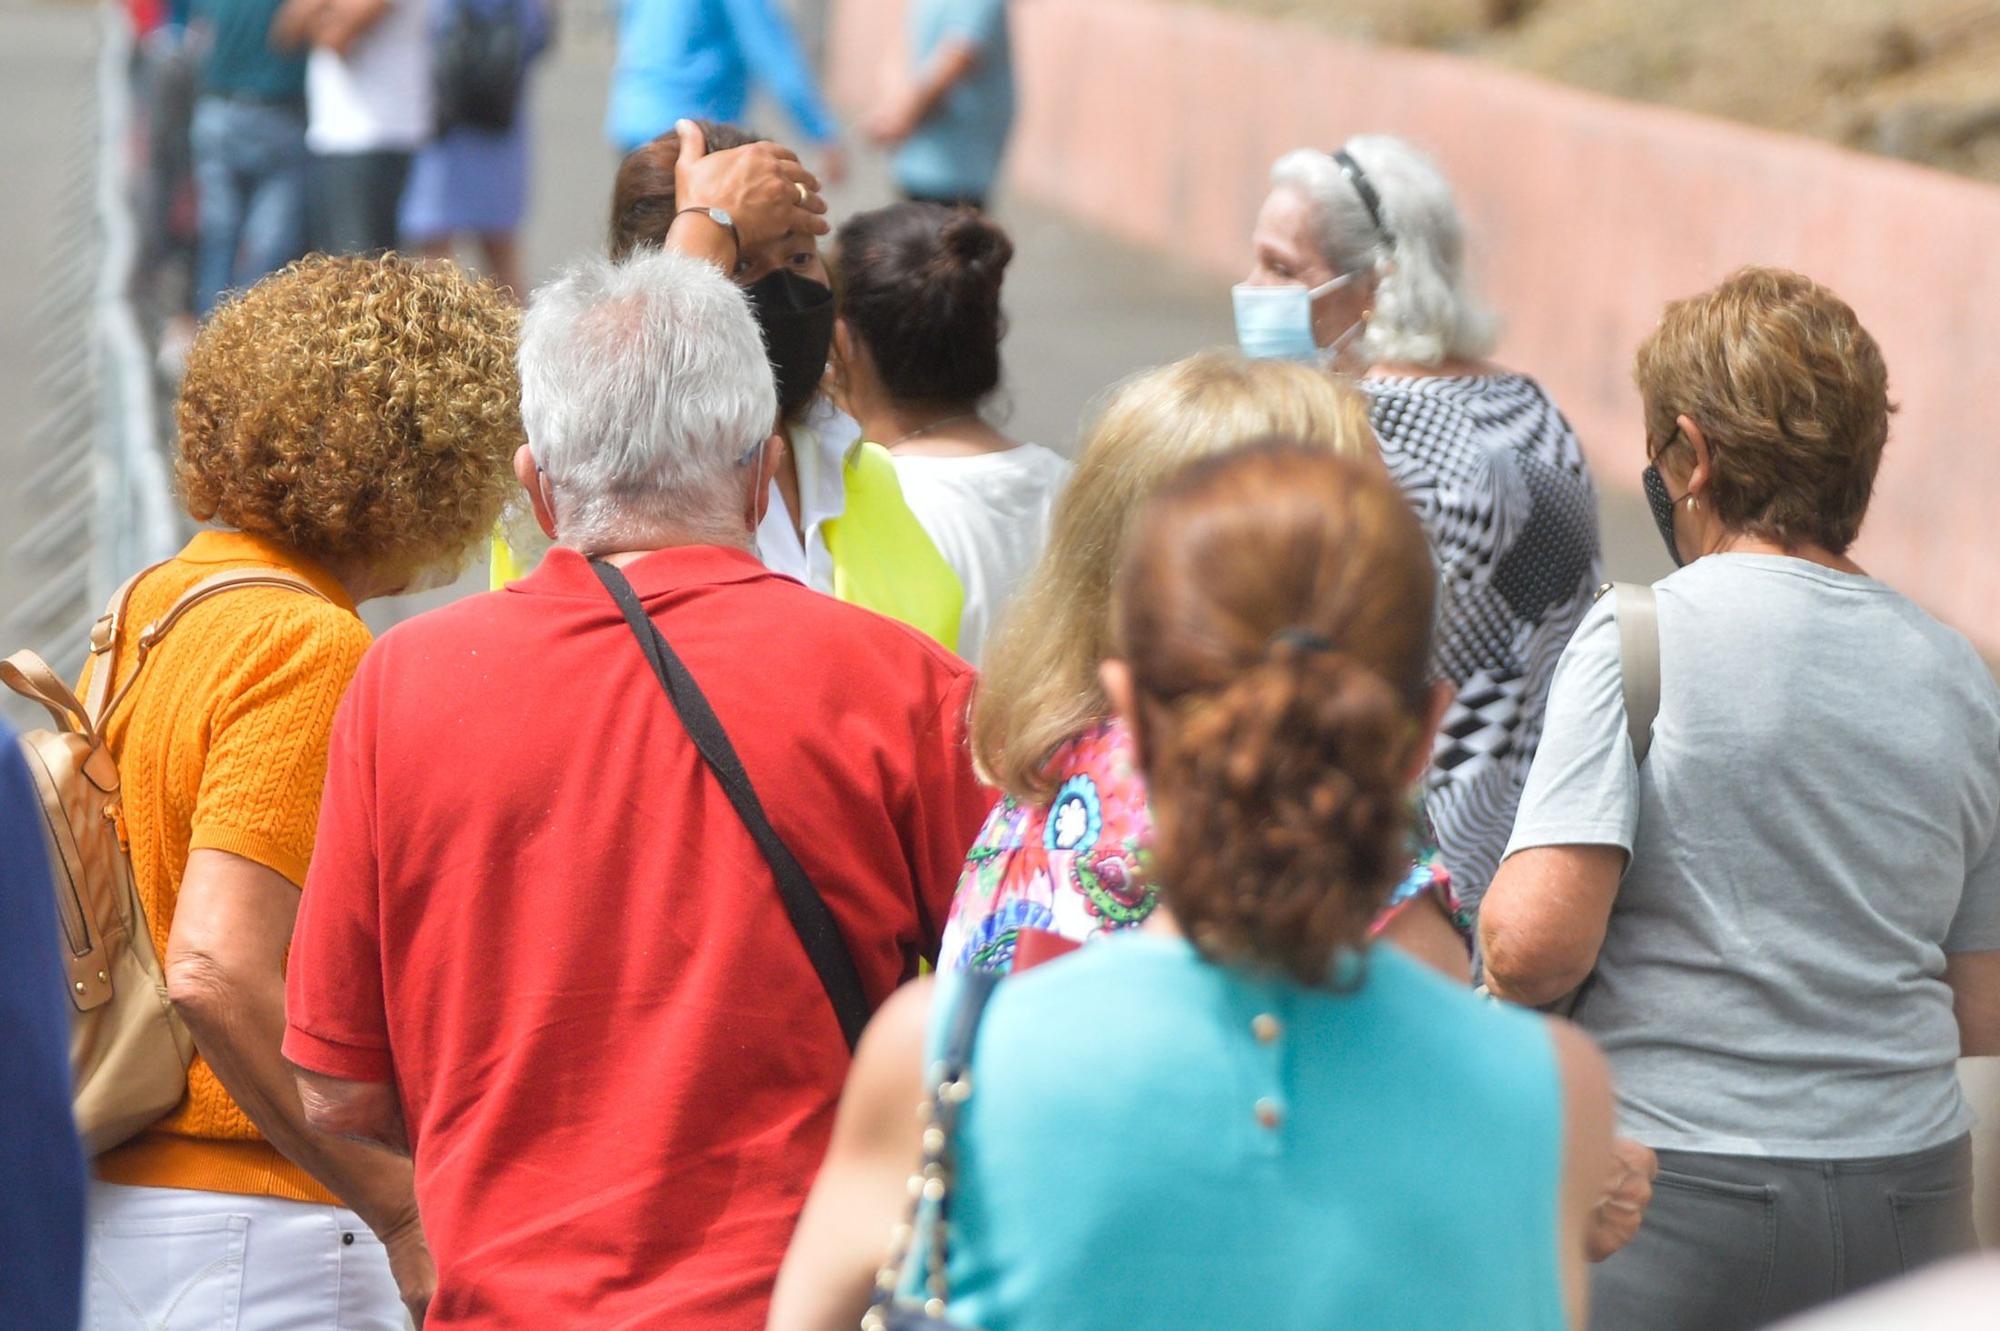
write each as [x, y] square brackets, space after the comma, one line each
[532, 908]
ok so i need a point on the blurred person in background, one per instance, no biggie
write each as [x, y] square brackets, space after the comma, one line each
[837, 520]
[916, 353]
[369, 108]
[1245, 1114]
[1068, 850]
[472, 180]
[1359, 267]
[165, 68]
[586, 1008]
[1786, 919]
[948, 121]
[696, 60]
[347, 423]
[249, 142]
[41, 1167]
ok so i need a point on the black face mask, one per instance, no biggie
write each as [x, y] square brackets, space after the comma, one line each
[1663, 506]
[796, 314]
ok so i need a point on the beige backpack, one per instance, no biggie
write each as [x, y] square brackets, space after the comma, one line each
[129, 1051]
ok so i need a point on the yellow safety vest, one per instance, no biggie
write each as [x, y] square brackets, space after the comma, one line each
[883, 559]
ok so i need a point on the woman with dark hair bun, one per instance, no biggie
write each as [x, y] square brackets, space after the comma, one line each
[916, 351]
[1242, 1114]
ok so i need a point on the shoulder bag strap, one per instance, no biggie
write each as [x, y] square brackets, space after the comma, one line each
[1638, 614]
[150, 636]
[808, 911]
[929, 1221]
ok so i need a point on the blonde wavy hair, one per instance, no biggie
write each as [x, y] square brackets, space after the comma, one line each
[355, 409]
[1039, 685]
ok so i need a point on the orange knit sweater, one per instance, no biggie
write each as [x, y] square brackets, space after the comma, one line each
[222, 746]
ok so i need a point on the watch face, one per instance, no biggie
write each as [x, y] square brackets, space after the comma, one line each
[722, 217]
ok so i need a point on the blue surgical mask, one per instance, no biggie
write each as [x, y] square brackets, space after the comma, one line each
[1276, 323]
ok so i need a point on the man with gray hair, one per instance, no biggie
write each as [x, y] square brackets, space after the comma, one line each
[614, 863]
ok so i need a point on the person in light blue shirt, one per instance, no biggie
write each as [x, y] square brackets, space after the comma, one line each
[695, 60]
[1242, 1114]
[949, 124]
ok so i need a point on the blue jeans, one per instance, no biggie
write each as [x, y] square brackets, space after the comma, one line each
[250, 191]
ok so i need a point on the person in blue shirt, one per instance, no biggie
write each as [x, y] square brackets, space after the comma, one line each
[695, 60]
[1243, 1113]
[949, 123]
[41, 1165]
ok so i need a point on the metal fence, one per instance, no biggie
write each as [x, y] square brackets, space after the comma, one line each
[100, 484]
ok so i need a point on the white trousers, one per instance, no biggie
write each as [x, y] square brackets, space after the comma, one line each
[173, 1259]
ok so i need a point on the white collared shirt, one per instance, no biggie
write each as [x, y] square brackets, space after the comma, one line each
[820, 441]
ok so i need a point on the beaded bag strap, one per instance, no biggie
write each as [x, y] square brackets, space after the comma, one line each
[929, 1217]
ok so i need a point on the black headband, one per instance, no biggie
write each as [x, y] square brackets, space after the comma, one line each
[1366, 189]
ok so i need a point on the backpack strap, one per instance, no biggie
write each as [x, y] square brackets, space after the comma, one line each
[28, 675]
[150, 636]
[1638, 613]
[104, 650]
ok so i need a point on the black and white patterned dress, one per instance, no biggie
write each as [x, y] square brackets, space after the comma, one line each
[1500, 482]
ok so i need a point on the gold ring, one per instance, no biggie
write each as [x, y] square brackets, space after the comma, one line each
[805, 195]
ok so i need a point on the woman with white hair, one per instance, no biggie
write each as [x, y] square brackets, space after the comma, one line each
[1359, 267]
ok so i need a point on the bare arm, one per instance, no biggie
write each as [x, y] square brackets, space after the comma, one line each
[767, 193]
[225, 971]
[1422, 930]
[1543, 920]
[344, 22]
[899, 117]
[860, 1195]
[1587, 1160]
[334, 24]
[292, 26]
[1974, 978]
[357, 1111]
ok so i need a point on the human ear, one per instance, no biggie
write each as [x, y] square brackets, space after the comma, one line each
[541, 496]
[1115, 678]
[1698, 479]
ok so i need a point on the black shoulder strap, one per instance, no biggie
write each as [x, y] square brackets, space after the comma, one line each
[815, 924]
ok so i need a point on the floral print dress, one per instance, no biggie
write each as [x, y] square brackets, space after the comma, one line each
[1080, 865]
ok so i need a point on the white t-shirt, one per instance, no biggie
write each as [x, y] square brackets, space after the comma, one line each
[989, 517]
[377, 97]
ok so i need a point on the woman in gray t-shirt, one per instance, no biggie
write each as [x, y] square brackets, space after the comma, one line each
[1786, 918]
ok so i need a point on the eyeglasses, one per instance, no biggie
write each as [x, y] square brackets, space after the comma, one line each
[752, 453]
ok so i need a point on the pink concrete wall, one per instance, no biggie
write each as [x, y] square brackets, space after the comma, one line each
[1158, 121]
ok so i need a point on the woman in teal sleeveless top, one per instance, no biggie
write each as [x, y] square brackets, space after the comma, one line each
[1242, 1115]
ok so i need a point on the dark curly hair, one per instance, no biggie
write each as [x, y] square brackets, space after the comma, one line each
[919, 285]
[355, 409]
[1274, 609]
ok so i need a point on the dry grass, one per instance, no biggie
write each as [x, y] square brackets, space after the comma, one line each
[1918, 79]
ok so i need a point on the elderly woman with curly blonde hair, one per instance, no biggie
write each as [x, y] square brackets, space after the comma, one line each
[347, 425]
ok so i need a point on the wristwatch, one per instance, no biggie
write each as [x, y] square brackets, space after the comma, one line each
[721, 217]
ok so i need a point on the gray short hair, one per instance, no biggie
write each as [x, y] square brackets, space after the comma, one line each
[1425, 312]
[642, 384]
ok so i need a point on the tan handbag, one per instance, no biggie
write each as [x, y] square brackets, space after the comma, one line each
[129, 1052]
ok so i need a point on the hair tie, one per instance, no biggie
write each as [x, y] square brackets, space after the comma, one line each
[1305, 639]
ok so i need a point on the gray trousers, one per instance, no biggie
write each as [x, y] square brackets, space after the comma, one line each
[1735, 1242]
[353, 200]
